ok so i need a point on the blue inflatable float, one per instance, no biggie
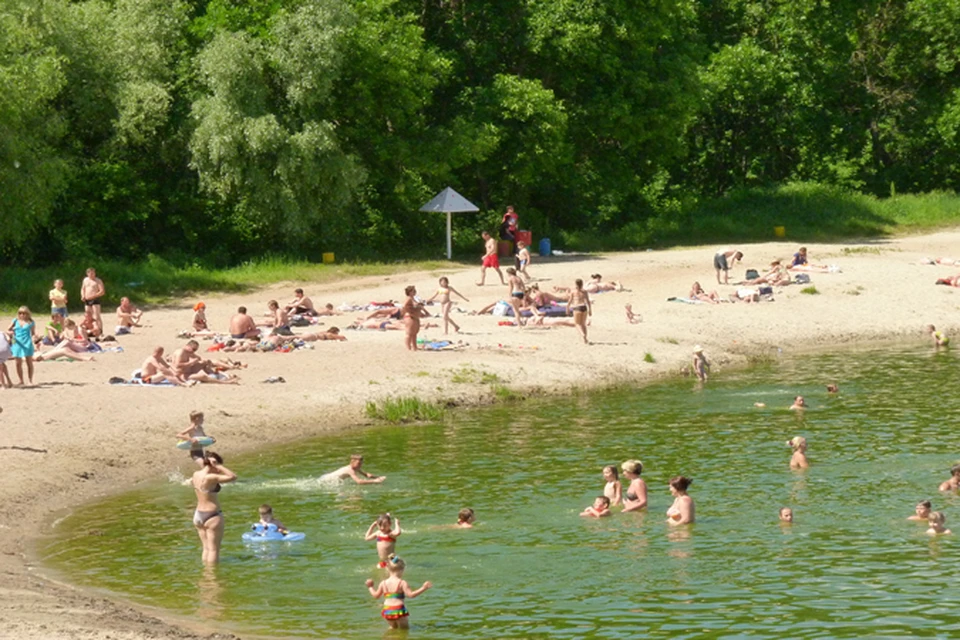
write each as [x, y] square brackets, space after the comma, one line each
[270, 533]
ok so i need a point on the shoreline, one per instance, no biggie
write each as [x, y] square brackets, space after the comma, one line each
[335, 385]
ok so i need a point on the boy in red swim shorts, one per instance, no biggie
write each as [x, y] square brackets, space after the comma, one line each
[490, 259]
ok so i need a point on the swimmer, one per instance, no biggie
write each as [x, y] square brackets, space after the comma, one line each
[466, 518]
[354, 471]
[682, 509]
[799, 404]
[700, 363]
[954, 482]
[193, 433]
[612, 489]
[799, 458]
[266, 518]
[760, 405]
[394, 590]
[636, 495]
[786, 515]
[937, 520]
[922, 511]
[599, 509]
[940, 339]
[832, 388]
[385, 533]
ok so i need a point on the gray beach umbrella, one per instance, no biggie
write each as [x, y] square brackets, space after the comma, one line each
[449, 201]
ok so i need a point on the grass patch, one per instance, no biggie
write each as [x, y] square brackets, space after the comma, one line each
[405, 409]
[810, 291]
[503, 393]
[855, 291]
[490, 378]
[808, 212]
[668, 340]
[648, 357]
[156, 281]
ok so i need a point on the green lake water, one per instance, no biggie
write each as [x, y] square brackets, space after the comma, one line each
[850, 566]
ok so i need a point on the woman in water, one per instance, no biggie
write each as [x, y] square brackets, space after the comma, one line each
[578, 303]
[383, 531]
[612, 489]
[446, 304]
[411, 311]
[208, 518]
[636, 495]
[394, 590]
[682, 510]
[799, 458]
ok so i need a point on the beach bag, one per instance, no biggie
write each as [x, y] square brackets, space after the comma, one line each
[752, 274]
[500, 309]
[802, 278]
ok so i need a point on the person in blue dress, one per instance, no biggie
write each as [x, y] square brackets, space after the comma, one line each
[22, 331]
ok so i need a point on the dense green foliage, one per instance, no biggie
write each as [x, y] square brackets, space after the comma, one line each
[213, 131]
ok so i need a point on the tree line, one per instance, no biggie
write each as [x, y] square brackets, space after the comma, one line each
[218, 130]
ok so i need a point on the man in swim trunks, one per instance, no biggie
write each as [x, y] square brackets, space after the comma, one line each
[301, 304]
[723, 261]
[490, 259]
[242, 326]
[156, 369]
[354, 471]
[91, 291]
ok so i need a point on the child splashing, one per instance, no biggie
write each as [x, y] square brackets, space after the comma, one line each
[386, 536]
[394, 590]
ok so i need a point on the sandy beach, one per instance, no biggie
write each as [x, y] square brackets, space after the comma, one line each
[74, 437]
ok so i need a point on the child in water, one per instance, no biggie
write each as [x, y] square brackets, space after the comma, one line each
[940, 339]
[266, 518]
[922, 511]
[192, 433]
[613, 489]
[600, 508]
[786, 515]
[936, 520]
[700, 363]
[466, 518]
[799, 458]
[386, 535]
[394, 590]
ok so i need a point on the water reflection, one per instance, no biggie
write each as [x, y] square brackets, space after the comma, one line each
[208, 594]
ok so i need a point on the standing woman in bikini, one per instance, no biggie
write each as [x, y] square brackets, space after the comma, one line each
[411, 312]
[635, 497]
[208, 518]
[579, 303]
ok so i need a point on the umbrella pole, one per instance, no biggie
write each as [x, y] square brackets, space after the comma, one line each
[449, 235]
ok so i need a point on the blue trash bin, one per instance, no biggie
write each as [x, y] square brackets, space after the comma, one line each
[545, 246]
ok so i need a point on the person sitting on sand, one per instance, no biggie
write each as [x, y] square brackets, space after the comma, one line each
[937, 522]
[800, 258]
[632, 318]
[354, 472]
[89, 324]
[776, 276]
[301, 305]
[599, 509]
[53, 332]
[954, 482]
[128, 316]
[243, 326]
[155, 369]
[940, 339]
[799, 458]
[697, 293]
[800, 263]
[279, 320]
[922, 511]
[200, 327]
[189, 366]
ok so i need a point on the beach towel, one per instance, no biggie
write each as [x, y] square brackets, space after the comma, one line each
[685, 300]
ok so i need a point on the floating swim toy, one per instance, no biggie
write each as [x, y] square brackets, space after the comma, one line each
[204, 441]
[270, 533]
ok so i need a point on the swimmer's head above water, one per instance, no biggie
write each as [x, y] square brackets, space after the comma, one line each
[797, 443]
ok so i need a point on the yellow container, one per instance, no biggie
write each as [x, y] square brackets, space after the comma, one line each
[328, 258]
[780, 232]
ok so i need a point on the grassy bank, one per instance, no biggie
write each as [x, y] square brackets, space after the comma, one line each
[156, 281]
[807, 212]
